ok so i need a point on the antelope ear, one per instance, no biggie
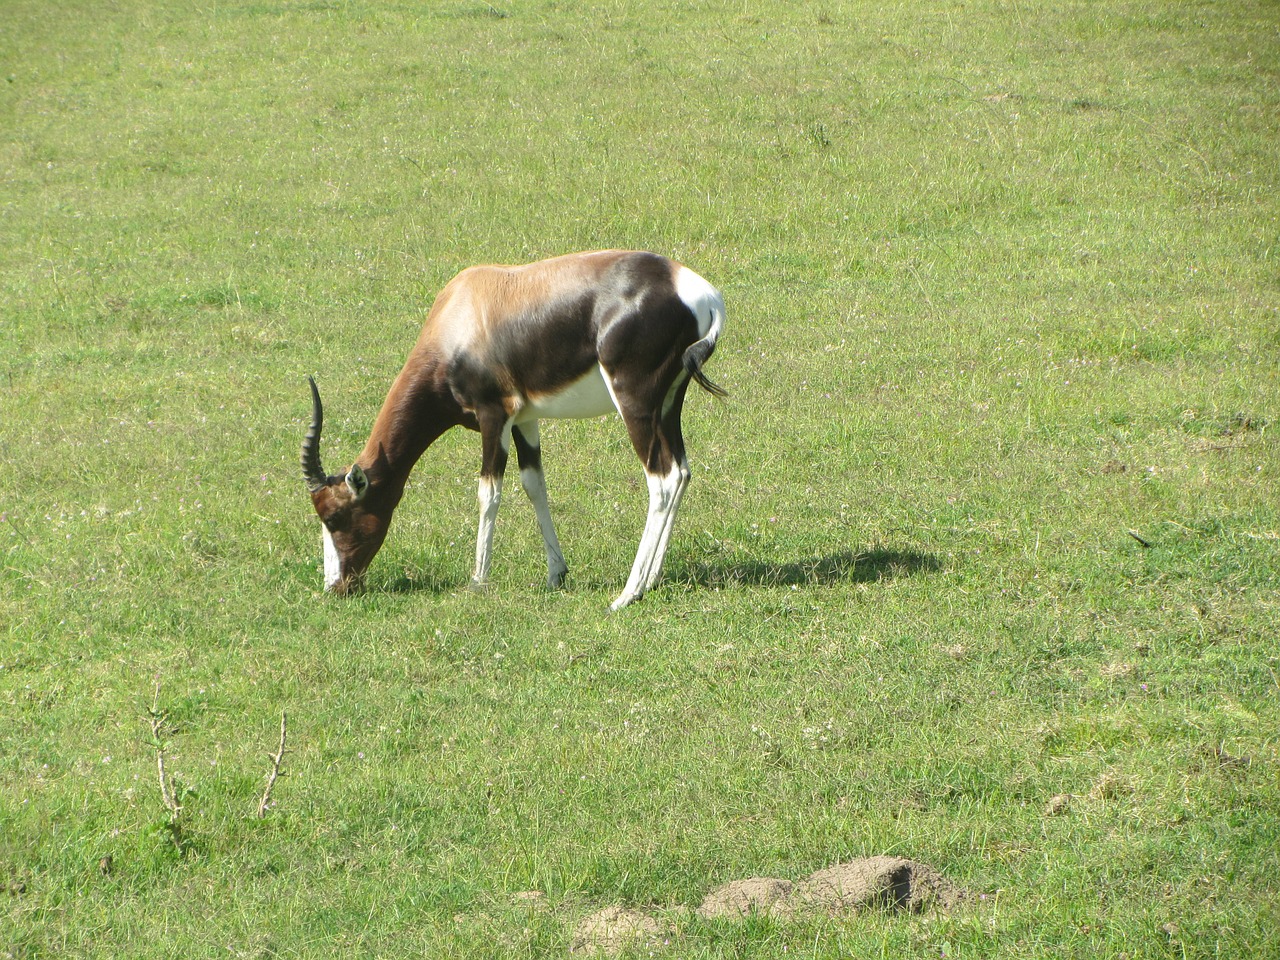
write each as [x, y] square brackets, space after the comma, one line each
[357, 482]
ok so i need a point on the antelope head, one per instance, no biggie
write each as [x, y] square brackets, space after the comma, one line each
[353, 524]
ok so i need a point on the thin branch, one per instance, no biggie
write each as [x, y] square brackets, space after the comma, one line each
[167, 795]
[276, 759]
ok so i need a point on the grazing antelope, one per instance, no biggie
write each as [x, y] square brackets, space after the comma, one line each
[503, 347]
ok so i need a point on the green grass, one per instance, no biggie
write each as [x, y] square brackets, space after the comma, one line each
[1004, 286]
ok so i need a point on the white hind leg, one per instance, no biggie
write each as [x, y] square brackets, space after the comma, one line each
[665, 493]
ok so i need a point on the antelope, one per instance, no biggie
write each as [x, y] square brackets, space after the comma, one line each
[506, 346]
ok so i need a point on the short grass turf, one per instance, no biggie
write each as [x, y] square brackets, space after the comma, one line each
[980, 561]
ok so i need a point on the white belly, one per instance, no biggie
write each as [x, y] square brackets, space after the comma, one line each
[588, 396]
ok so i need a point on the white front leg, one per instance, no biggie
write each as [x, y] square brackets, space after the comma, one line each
[535, 486]
[490, 495]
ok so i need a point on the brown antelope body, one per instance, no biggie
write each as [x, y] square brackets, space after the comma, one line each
[503, 347]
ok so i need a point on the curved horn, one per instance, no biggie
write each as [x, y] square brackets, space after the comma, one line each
[312, 472]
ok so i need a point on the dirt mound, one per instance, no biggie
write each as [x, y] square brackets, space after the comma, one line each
[610, 930]
[891, 883]
[763, 895]
[877, 882]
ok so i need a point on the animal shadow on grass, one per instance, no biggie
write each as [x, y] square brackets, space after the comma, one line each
[845, 566]
[418, 581]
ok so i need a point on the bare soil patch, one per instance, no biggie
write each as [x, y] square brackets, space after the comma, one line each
[612, 929]
[889, 883]
[764, 895]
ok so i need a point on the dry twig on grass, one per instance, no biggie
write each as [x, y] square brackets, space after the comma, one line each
[276, 759]
[167, 794]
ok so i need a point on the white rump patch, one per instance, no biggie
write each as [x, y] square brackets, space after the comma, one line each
[703, 299]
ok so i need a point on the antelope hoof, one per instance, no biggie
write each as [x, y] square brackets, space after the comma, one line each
[555, 579]
[625, 600]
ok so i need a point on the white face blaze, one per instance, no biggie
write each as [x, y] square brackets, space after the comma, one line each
[332, 565]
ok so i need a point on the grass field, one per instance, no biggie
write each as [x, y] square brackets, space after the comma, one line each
[980, 561]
